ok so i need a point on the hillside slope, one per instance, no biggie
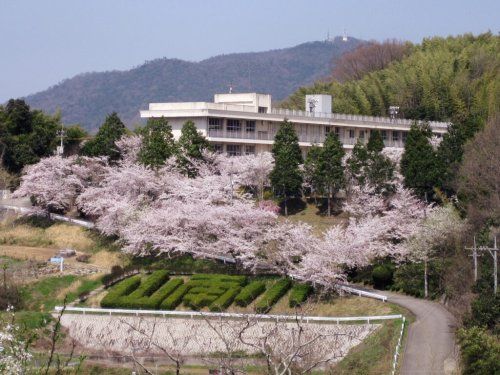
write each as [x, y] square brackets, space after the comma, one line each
[87, 98]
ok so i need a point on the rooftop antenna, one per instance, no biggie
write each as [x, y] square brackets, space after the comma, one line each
[230, 88]
[344, 36]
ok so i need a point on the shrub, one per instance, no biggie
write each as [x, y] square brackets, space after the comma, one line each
[123, 288]
[409, 278]
[299, 294]
[480, 352]
[198, 301]
[174, 299]
[225, 300]
[272, 295]
[382, 276]
[83, 258]
[485, 311]
[250, 293]
[220, 278]
[150, 284]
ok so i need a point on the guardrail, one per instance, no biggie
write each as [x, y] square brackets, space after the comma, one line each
[362, 293]
[82, 223]
[398, 347]
[193, 314]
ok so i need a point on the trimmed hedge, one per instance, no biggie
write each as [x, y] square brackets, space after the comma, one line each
[299, 294]
[198, 301]
[174, 299]
[219, 278]
[250, 292]
[272, 295]
[150, 284]
[225, 300]
[152, 302]
[125, 287]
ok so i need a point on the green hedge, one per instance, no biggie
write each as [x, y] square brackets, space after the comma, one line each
[125, 287]
[272, 295]
[250, 292]
[219, 278]
[150, 284]
[174, 299]
[299, 294]
[225, 300]
[198, 301]
[152, 302]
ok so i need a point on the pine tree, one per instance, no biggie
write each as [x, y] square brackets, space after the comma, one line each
[103, 143]
[375, 142]
[191, 145]
[419, 164]
[286, 177]
[357, 162]
[312, 172]
[158, 142]
[331, 167]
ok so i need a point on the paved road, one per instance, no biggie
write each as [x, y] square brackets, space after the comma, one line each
[430, 347]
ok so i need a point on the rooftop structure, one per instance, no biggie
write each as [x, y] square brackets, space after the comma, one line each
[244, 123]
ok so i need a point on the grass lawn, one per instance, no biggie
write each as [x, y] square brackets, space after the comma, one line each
[312, 215]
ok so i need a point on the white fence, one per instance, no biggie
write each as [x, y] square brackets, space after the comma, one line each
[193, 314]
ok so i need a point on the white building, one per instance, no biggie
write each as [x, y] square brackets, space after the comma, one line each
[246, 123]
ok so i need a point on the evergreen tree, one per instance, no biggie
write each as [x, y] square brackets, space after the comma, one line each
[419, 164]
[103, 143]
[158, 142]
[357, 162]
[375, 142]
[331, 167]
[25, 135]
[191, 145]
[286, 177]
[312, 171]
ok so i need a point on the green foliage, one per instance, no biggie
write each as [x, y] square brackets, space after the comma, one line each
[382, 276]
[191, 146]
[174, 299]
[103, 144]
[158, 142]
[150, 284]
[123, 288]
[220, 278]
[409, 278]
[330, 165]
[312, 171]
[485, 311]
[419, 164]
[286, 177]
[299, 294]
[75, 134]
[480, 352]
[375, 142]
[225, 300]
[25, 135]
[272, 295]
[250, 292]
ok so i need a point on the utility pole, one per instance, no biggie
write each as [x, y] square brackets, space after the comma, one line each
[61, 133]
[493, 251]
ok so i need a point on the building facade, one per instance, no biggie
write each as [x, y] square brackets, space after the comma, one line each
[246, 123]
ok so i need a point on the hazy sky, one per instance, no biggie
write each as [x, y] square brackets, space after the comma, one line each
[44, 42]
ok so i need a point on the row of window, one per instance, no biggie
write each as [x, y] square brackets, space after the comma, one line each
[234, 126]
[234, 150]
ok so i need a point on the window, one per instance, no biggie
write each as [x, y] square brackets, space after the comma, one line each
[337, 131]
[361, 134]
[395, 136]
[384, 134]
[233, 125]
[218, 148]
[233, 150]
[351, 133]
[262, 109]
[405, 135]
[249, 150]
[250, 126]
[214, 123]
[328, 129]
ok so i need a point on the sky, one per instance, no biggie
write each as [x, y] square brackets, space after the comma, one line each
[44, 42]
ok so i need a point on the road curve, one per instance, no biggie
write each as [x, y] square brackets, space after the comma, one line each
[430, 346]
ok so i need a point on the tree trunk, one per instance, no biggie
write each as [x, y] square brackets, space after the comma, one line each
[426, 286]
[286, 205]
[329, 201]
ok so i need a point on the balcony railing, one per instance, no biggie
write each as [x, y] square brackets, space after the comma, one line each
[305, 138]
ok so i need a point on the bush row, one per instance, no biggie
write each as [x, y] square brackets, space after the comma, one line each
[125, 287]
[225, 300]
[151, 302]
[250, 292]
[198, 301]
[272, 295]
[219, 278]
[299, 294]
[174, 299]
[150, 284]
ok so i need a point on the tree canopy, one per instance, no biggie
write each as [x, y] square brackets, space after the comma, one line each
[103, 144]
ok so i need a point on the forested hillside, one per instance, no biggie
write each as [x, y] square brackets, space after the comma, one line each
[87, 98]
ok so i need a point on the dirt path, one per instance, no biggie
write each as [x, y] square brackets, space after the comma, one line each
[430, 347]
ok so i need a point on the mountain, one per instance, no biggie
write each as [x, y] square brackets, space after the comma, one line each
[87, 98]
